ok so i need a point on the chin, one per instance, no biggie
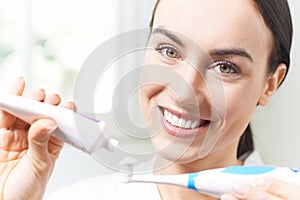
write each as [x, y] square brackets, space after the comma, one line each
[186, 156]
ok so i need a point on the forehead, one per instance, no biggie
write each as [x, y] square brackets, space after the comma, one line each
[216, 23]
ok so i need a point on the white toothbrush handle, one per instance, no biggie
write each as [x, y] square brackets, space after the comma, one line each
[216, 182]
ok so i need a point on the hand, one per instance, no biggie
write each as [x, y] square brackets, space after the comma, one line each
[265, 189]
[27, 152]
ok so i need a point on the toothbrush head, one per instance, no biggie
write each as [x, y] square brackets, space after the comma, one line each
[126, 169]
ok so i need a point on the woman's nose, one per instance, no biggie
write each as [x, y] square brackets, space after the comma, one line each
[192, 88]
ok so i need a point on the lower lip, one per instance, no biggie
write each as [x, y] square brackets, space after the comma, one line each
[181, 132]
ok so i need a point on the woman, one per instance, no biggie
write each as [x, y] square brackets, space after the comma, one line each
[248, 45]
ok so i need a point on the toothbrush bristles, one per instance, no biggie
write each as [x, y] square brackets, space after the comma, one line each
[126, 169]
[125, 177]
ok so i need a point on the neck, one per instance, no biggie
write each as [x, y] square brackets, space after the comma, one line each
[221, 158]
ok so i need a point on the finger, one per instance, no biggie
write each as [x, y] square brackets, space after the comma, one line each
[279, 188]
[14, 141]
[6, 138]
[38, 138]
[56, 145]
[53, 99]
[38, 95]
[11, 145]
[248, 192]
[17, 87]
[228, 197]
[69, 105]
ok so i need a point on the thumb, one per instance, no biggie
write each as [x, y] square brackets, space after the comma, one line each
[38, 138]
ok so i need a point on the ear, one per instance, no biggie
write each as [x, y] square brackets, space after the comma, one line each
[272, 84]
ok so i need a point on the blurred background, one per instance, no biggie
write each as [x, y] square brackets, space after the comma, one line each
[47, 42]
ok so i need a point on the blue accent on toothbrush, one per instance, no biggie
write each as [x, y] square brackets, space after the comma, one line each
[191, 182]
[296, 170]
[244, 170]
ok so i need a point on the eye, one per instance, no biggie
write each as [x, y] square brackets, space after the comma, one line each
[169, 52]
[225, 67]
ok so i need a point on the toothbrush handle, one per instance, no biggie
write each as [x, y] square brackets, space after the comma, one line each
[216, 182]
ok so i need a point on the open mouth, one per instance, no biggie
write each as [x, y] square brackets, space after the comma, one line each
[186, 123]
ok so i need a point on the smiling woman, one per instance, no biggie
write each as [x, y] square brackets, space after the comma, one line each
[237, 61]
[279, 28]
[227, 66]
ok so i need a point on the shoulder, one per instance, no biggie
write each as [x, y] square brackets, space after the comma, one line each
[108, 187]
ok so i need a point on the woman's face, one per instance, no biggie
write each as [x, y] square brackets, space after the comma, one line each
[226, 87]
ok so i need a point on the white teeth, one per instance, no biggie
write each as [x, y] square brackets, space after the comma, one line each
[174, 120]
[195, 124]
[188, 124]
[166, 114]
[180, 122]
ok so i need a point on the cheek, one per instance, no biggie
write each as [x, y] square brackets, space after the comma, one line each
[144, 102]
[147, 95]
[240, 104]
[243, 96]
[239, 110]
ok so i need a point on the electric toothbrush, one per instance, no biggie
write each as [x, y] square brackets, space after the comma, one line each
[67, 121]
[216, 182]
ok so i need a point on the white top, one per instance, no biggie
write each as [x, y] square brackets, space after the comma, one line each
[109, 187]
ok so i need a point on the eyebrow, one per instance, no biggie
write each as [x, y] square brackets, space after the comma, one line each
[169, 34]
[233, 51]
[215, 52]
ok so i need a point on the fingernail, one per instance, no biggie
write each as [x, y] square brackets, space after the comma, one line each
[226, 197]
[241, 190]
[50, 128]
[262, 182]
[20, 80]
[16, 83]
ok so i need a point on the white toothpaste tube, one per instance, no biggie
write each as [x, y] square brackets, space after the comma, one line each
[89, 139]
